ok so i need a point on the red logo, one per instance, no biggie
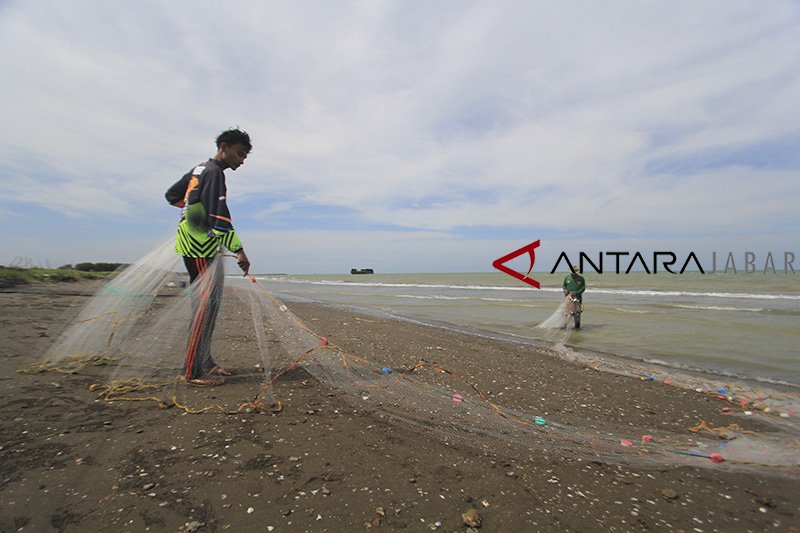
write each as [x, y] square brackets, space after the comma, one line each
[528, 248]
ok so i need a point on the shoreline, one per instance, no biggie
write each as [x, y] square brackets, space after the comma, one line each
[607, 366]
[627, 365]
[326, 463]
[681, 327]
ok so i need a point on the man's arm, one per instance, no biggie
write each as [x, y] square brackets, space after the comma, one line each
[243, 261]
[213, 198]
[581, 287]
[175, 195]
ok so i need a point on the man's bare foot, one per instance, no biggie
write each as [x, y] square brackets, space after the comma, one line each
[219, 371]
[205, 380]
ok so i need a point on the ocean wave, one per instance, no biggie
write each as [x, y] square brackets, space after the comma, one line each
[720, 308]
[650, 292]
[334, 282]
[432, 297]
[597, 290]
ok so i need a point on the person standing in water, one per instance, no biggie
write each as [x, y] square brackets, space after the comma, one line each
[574, 286]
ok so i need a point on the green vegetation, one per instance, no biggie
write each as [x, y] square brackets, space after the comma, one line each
[21, 276]
[93, 267]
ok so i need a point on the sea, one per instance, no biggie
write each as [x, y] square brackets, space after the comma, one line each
[744, 326]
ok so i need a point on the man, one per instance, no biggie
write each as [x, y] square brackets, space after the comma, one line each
[574, 286]
[204, 228]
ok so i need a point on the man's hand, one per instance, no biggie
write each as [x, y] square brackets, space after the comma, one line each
[243, 262]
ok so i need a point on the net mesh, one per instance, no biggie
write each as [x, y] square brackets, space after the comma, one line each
[111, 317]
[149, 329]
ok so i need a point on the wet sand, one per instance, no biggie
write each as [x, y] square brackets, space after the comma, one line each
[73, 462]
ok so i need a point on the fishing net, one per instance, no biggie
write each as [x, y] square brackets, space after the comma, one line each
[150, 327]
[558, 327]
[748, 397]
[560, 319]
[110, 317]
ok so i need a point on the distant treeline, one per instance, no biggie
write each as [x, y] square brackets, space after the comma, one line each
[10, 276]
[93, 267]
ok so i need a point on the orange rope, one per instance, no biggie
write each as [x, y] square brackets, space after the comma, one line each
[719, 430]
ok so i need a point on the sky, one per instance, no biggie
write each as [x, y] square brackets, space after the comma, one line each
[414, 136]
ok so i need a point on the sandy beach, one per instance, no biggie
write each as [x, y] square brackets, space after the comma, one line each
[73, 462]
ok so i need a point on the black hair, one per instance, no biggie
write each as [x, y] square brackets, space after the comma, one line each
[234, 136]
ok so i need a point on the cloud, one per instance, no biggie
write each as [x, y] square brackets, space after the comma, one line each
[451, 118]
